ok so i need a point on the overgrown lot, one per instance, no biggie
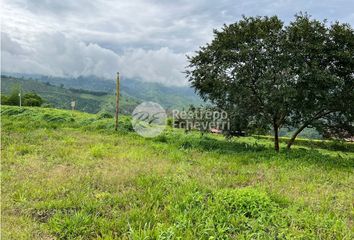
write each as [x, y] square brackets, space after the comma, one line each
[68, 175]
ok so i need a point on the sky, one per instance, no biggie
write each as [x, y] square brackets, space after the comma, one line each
[142, 39]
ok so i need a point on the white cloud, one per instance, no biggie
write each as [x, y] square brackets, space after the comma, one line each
[60, 55]
[161, 65]
[145, 39]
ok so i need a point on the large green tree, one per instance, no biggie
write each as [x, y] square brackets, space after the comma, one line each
[322, 60]
[274, 75]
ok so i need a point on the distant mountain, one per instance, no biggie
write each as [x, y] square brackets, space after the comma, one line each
[61, 97]
[168, 96]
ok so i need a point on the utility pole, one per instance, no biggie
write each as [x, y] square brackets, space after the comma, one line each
[73, 103]
[19, 95]
[117, 101]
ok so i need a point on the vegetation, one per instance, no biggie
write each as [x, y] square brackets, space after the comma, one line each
[32, 99]
[87, 90]
[68, 175]
[28, 99]
[60, 97]
[266, 75]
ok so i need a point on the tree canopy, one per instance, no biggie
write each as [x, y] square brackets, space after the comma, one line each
[32, 99]
[28, 99]
[267, 74]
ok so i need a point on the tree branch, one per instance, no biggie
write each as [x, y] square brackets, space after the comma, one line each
[318, 115]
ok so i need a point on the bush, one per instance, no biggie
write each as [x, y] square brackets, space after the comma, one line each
[161, 138]
[47, 105]
[29, 99]
[170, 122]
[4, 100]
[186, 145]
[104, 115]
[14, 99]
[97, 151]
[32, 99]
[125, 124]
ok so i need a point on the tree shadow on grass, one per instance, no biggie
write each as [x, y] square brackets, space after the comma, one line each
[315, 157]
[258, 153]
[211, 144]
[317, 144]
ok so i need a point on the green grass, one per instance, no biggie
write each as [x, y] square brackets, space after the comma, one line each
[69, 175]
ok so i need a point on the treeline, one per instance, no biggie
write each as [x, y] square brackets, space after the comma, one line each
[28, 99]
[83, 91]
[79, 91]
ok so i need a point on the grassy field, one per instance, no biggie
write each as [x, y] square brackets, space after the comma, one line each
[68, 175]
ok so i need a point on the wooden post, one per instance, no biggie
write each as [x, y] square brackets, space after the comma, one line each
[73, 103]
[19, 95]
[117, 101]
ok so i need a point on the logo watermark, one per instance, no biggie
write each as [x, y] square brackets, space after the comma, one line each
[202, 119]
[149, 119]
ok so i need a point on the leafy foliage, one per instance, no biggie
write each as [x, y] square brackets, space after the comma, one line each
[32, 99]
[13, 99]
[266, 74]
[28, 99]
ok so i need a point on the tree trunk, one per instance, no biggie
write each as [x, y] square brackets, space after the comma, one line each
[317, 116]
[117, 102]
[293, 137]
[276, 137]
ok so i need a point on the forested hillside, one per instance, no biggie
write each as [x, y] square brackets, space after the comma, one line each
[60, 97]
[168, 96]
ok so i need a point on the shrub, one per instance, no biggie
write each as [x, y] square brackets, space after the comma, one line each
[47, 105]
[104, 115]
[29, 99]
[161, 138]
[4, 100]
[170, 122]
[14, 99]
[97, 151]
[32, 99]
[125, 124]
[186, 145]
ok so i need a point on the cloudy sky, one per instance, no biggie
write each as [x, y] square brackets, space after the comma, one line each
[143, 39]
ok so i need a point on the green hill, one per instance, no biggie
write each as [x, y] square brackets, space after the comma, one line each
[168, 96]
[60, 97]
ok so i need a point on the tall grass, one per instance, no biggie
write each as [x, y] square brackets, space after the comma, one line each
[69, 175]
